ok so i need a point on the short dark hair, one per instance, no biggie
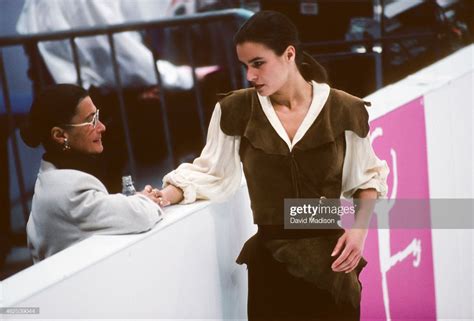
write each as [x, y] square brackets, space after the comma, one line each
[54, 106]
[276, 31]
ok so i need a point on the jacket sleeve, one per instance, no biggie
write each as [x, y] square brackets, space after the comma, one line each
[362, 168]
[216, 173]
[93, 209]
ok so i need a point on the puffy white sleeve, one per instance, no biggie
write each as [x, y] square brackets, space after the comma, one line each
[216, 173]
[362, 168]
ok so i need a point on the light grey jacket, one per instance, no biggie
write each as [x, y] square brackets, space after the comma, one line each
[69, 206]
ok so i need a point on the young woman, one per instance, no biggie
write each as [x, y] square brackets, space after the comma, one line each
[70, 203]
[296, 138]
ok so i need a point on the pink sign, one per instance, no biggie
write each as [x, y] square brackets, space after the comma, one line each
[398, 282]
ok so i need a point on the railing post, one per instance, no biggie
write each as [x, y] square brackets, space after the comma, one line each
[243, 74]
[123, 112]
[378, 58]
[229, 57]
[16, 154]
[164, 112]
[37, 68]
[75, 57]
[196, 85]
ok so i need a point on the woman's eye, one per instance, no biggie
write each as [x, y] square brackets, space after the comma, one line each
[257, 64]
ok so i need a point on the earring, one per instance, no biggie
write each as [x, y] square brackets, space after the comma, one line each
[66, 146]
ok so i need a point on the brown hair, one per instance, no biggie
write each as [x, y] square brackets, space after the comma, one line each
[277, 32]
[54, 106]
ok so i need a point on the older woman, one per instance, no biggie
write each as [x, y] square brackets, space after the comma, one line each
[70, 203]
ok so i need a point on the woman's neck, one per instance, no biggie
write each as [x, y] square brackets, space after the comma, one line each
[296, 93]
[78, 161]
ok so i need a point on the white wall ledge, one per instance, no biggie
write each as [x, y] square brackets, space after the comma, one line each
[204, 238]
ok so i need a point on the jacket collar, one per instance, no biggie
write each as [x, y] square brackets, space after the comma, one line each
[341, 112]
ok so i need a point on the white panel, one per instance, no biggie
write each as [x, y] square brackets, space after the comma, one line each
[449, 121]
[184, 268]
[453, 268]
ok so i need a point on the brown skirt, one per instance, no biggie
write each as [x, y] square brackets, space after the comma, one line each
[276, 294]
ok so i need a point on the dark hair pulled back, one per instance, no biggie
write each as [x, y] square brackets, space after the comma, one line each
[54, 106]
[277, 32]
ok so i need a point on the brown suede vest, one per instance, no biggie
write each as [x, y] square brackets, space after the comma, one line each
[311, 170]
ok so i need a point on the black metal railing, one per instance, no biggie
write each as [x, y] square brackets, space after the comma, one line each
[368, 44]
[231, 16]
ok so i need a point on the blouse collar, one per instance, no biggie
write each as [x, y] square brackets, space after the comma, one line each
[320, 96]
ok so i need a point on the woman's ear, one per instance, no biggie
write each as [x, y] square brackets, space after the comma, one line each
[58, 135]
[290, 53]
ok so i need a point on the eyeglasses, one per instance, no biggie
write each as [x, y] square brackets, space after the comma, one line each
[93, 122]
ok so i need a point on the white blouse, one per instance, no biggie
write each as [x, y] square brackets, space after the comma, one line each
[216, 173]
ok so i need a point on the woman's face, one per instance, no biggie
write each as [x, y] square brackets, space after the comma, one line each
[85, 138]
[266, 71]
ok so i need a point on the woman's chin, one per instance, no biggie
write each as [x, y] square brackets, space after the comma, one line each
[98, 150]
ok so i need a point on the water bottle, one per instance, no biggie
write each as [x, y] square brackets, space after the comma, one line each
[127, 186]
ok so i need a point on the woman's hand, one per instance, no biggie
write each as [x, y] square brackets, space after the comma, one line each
[154, 194]
[352, 244]
[171, 195]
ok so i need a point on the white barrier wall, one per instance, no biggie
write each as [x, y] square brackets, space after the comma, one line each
[184, 268]
[449, 119]
[445, 92]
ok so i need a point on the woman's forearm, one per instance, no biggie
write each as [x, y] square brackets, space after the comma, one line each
[365, 199]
